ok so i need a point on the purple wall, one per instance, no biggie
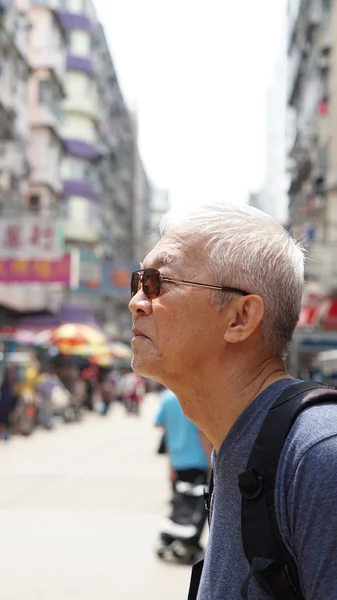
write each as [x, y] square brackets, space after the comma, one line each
[74, 21]
[81, 149]
[78, 187]
[79, 63]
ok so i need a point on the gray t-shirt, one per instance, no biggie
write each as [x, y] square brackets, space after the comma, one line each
[306, 496]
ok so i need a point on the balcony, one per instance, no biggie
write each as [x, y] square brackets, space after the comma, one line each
[81, 149]
[80, 63]
[81, 232]
[81, 188]
[71, 21]
[81, 104]
[43, 115]
[12, 161]
[51, 59]
[7, 122]
[47, 176]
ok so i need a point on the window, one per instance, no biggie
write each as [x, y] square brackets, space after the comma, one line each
[45, 92]
[68, 39]
[78, 169]
[63, 4]
[34, 203]
[49, 94]
[89, 87]
[326, 12]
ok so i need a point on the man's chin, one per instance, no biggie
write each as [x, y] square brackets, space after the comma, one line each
[140, 367]
[144, 368]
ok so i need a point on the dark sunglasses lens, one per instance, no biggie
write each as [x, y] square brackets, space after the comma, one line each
[151, 284]
[135, 277]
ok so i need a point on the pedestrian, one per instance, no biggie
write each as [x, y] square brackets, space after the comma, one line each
[87, 376]
[133, 390]
[214, 308]
[53, 397]
[8, 398]
[106, 391]
[189, 455]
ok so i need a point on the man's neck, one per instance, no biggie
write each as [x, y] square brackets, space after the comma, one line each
[216, 408]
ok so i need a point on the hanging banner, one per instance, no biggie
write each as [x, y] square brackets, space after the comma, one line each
[36, 271]
[113, 280]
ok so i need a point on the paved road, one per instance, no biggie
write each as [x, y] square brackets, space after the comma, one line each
[80, 509]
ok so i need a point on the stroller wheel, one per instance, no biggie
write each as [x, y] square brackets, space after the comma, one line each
[186, 554]
[160, 552]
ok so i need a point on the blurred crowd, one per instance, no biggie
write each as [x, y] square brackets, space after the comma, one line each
[41, 393]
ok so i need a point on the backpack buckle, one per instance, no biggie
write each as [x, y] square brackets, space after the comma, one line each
[250, 484]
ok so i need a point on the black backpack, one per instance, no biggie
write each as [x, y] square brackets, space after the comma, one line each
[268, 557]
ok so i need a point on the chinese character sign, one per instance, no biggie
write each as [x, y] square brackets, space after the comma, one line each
[30, 238]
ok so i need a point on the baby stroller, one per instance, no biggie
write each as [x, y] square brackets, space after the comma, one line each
[180, 533]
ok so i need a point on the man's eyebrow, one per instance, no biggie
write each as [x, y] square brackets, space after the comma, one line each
[161, 260]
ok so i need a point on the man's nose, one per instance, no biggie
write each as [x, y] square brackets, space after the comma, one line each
[139, 303]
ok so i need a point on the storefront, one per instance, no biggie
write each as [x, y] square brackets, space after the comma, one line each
[316, 332]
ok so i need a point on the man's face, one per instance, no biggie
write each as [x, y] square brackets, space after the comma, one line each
[177, 332]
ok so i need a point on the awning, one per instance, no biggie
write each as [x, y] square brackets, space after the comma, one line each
[310, 312]
[328, 314]
[320, 313]
[69, 313]
[308, 316]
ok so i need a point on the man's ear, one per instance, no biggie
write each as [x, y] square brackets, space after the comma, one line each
[243, 317]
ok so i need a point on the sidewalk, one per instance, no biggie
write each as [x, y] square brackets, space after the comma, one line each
[80, 510]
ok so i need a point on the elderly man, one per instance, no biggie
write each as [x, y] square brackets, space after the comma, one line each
[214, 308]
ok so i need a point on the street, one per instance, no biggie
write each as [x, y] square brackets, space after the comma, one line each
[80, 509]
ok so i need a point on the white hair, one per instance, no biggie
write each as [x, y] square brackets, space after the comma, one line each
[246, 248]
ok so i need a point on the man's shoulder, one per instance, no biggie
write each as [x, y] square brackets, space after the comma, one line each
[313, 426]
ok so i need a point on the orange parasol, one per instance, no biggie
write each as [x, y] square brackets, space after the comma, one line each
[71, 334]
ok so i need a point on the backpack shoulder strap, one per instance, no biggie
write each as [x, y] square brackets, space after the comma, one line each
[270, 562]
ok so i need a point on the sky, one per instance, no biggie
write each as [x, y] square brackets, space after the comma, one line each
[197, 73]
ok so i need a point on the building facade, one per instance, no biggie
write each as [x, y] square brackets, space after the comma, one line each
[46, 91]
[14, 75]
[69, 152]
[312, 161]
[79, 126]
[312, 141]
[115, 166]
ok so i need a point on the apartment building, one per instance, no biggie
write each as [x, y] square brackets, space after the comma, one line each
[14, 73]
[312, 140]
[68, 143]
[312, 158]
[79, 127]
[115, 167]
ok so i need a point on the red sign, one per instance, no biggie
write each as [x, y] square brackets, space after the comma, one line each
[36, 271]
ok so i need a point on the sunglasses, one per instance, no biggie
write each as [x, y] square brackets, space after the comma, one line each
[151, 280]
